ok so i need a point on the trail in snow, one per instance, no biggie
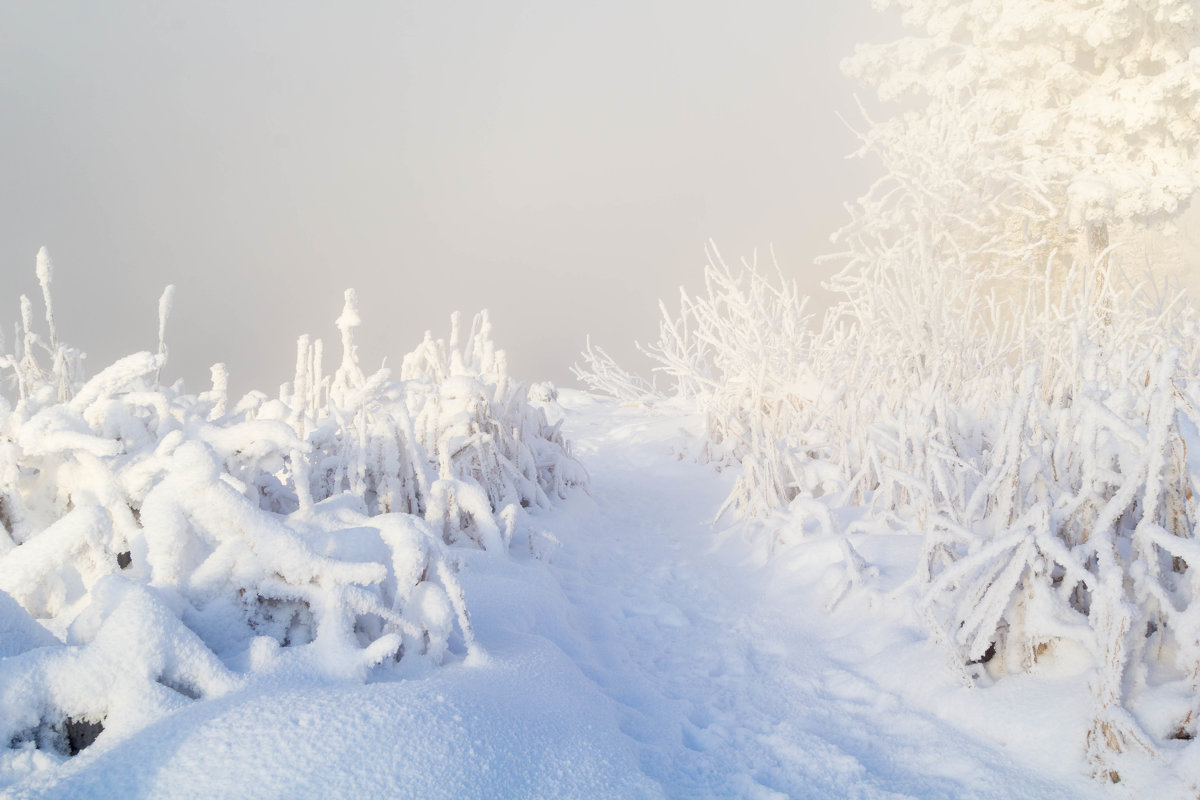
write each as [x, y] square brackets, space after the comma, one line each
[731, 680]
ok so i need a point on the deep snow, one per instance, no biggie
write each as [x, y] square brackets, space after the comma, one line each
[639, 651]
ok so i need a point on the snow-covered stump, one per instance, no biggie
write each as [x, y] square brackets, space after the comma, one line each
[158, 547]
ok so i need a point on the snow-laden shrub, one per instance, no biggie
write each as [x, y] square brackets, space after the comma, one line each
[454, 426]
[601, 373]
[1070, 533]
[1031, 418]
[1032, 423]
[743, 353]
[1053, 480]
[168, 544]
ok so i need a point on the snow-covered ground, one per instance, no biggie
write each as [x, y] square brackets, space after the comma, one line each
[638, 651]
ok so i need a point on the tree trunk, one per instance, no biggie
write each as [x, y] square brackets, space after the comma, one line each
[1097, 235]
[1097, 239]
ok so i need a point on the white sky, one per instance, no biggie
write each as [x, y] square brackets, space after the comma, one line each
[561, 163]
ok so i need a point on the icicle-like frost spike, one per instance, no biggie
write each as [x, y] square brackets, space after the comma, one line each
[318, 379]
[28, 370]
[300, 386]
[220, 390]
[166, 302]
[348, 376]
[45, 274]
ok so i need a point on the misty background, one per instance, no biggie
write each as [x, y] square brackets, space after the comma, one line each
[562, 164]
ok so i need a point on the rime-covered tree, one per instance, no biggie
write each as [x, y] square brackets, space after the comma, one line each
[1097, 100]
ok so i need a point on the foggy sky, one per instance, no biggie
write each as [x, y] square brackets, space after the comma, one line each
[559, 163]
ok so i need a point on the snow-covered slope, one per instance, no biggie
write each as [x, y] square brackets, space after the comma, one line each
[632, 650]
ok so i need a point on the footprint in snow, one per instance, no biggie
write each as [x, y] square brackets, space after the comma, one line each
[667, 614]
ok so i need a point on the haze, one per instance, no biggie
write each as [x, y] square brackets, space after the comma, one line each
[561, 164]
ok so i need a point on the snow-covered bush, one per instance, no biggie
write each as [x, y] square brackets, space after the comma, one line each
[1048, 466]
[1077, 532]
[1031, 418]
[1040, 413]
[742, 351]
[161, 546]
[1032, 424]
